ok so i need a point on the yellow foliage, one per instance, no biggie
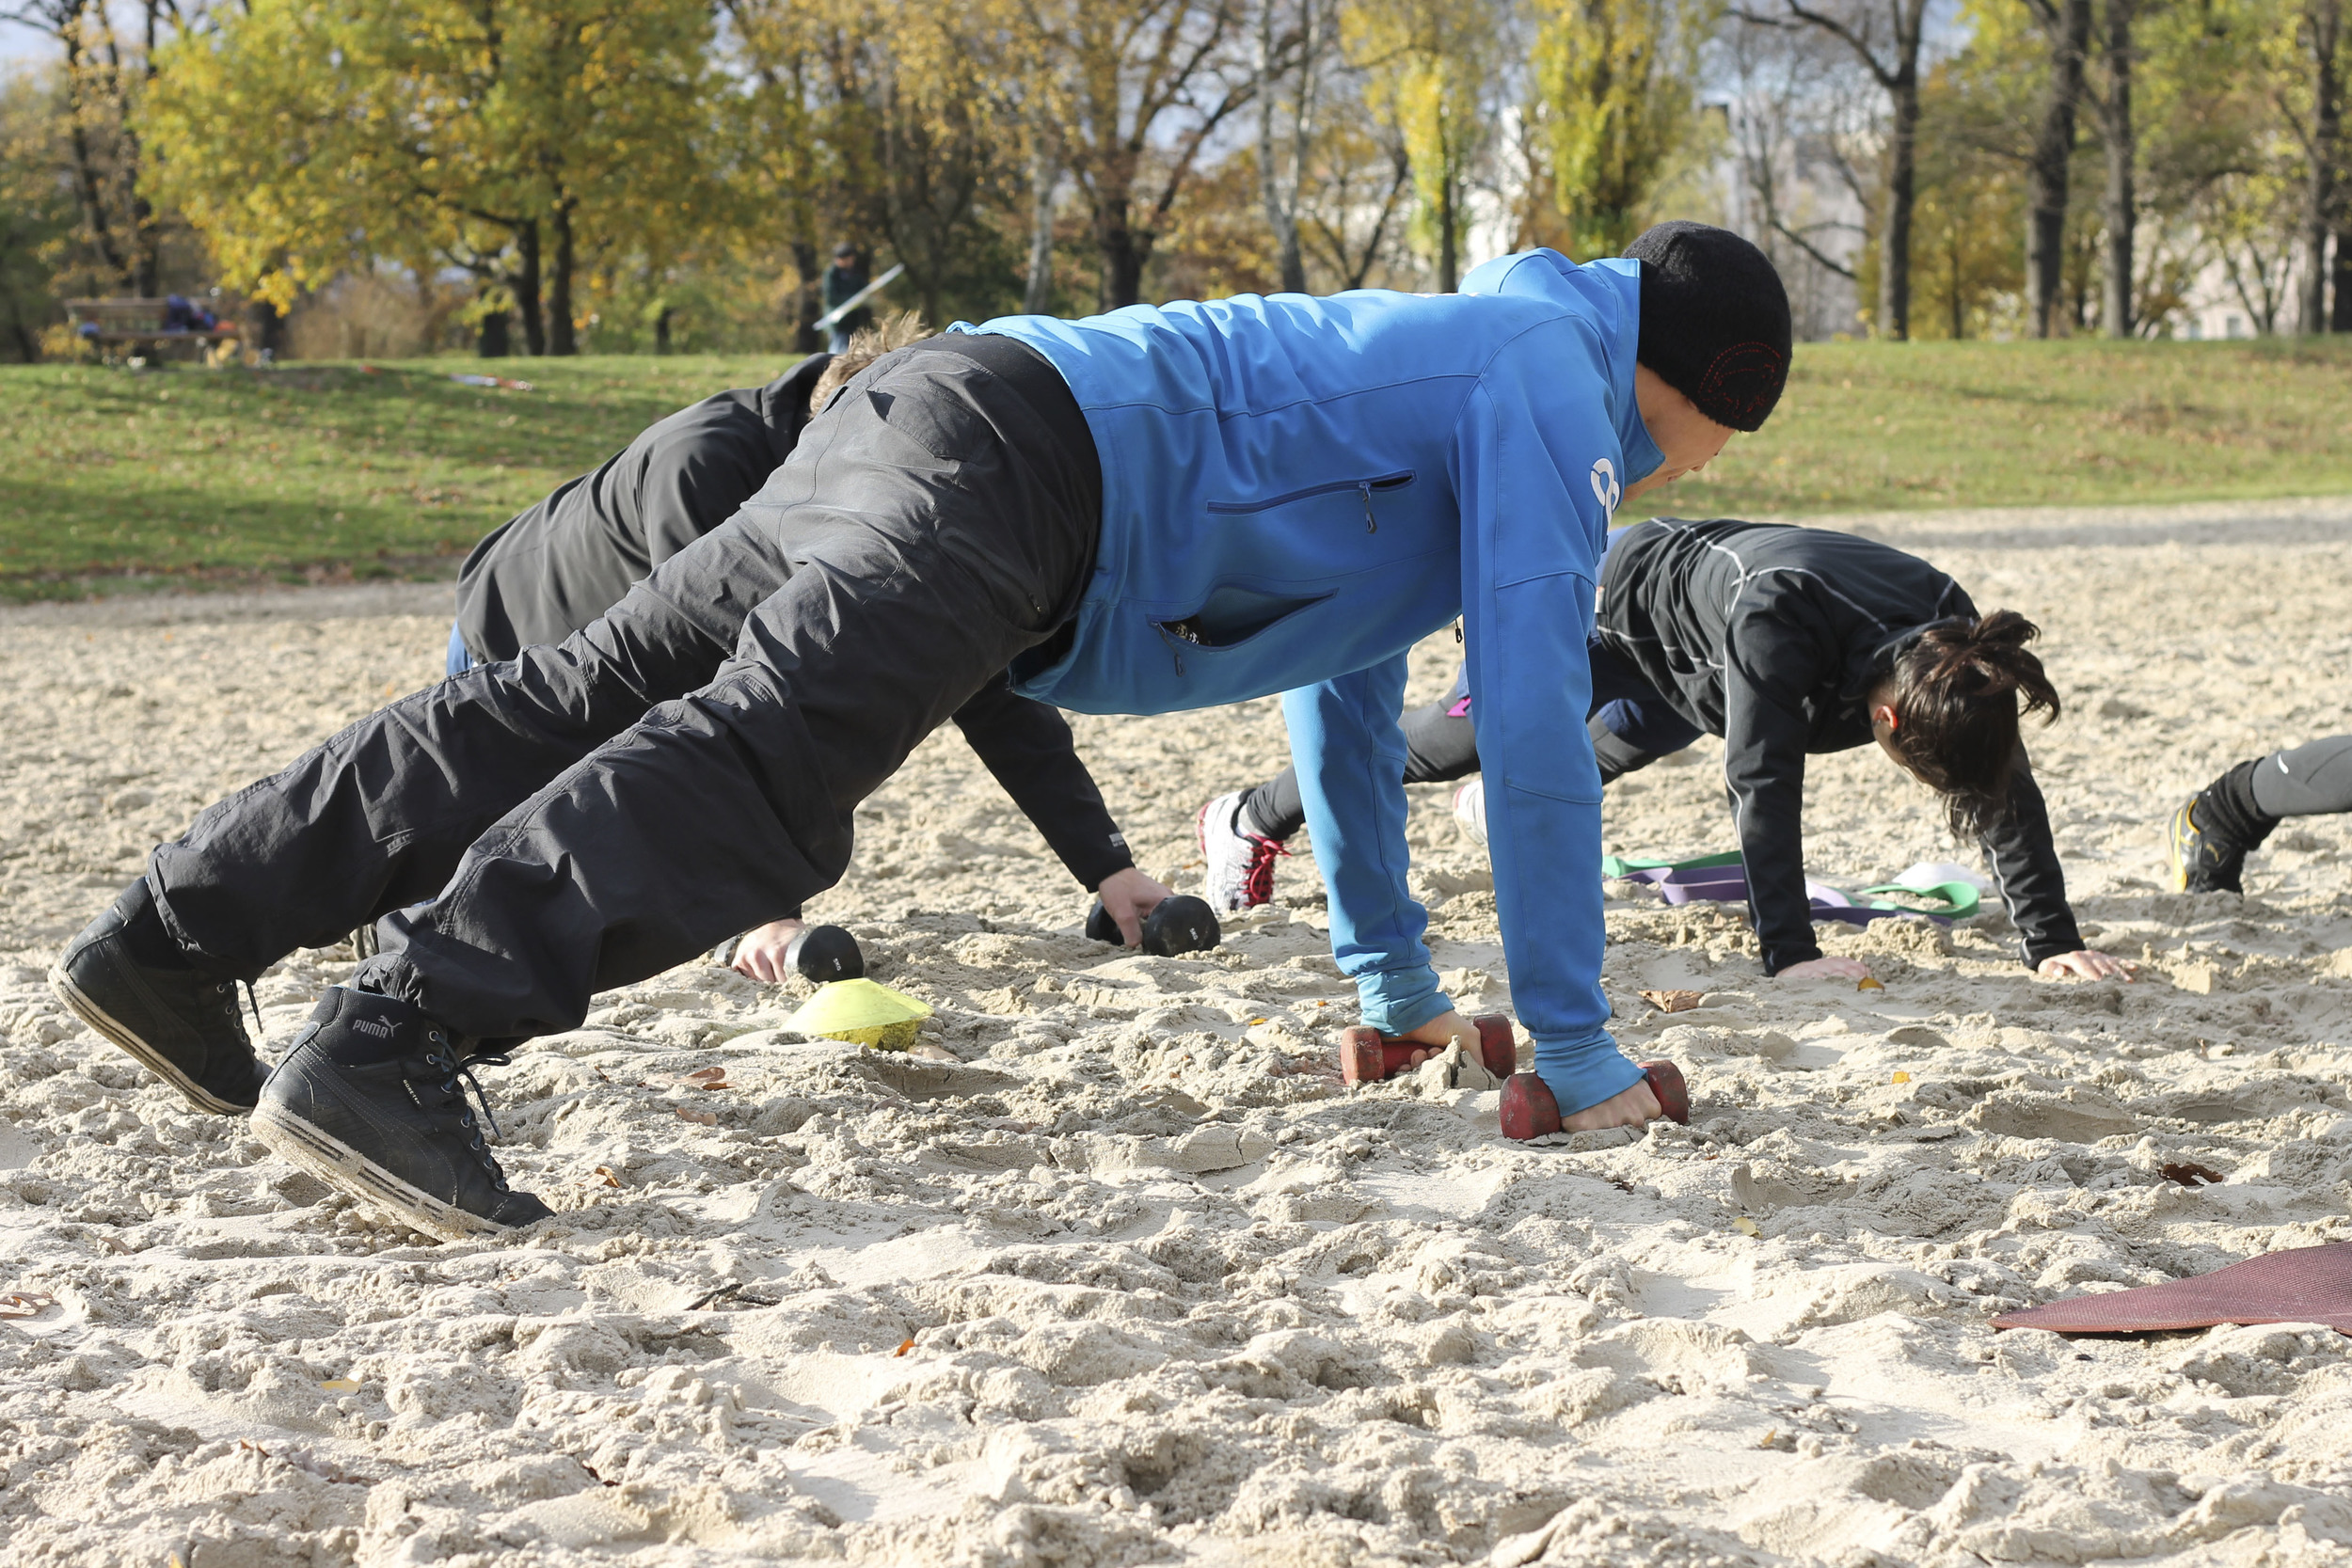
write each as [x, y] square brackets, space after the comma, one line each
[1613, 90]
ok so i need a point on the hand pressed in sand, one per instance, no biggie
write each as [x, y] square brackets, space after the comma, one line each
[1629, 1108]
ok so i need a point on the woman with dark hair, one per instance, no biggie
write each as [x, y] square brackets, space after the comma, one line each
[1786, 641]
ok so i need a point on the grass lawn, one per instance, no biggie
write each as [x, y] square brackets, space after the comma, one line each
[118, 480]
[305, 472]
[1874, 427]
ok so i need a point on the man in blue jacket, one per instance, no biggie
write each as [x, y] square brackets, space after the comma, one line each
[1161, 508]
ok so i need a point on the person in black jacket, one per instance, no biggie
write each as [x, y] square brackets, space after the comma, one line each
[558, 565]
[842, 281]
[1786, 641]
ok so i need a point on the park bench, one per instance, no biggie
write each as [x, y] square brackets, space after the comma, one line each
[111, 327]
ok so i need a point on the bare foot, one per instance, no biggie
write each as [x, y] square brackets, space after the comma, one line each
[1826, 969]
[1628, 1108]
[1440, 1032]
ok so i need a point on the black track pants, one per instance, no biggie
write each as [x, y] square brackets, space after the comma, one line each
[529, 832]
[2309, 781]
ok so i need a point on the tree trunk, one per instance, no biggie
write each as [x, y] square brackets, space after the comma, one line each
[1124, 249]
[1902, 194]
[806, 338]
[2069, 32]
[2119, 206]
[1037, 295]
[269, 326]
[1449, 259]
[87, 190]
[560, 339]
[525, 282]
[145, 243]
[27, 346]
[495, 338]
[1281, 208]
[2341, 320]
[661, 329]
[2322, 29]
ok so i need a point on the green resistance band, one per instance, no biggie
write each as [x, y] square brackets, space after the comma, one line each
[1952, 900]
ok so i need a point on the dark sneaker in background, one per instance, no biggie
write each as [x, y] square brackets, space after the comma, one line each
[2203, 860]
[370, 1099]
[127, 979]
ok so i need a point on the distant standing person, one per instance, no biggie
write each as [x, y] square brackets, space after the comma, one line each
[843, 280]
[2212, 833]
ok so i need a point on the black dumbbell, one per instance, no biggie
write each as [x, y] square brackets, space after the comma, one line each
[1181, 925]
[819, 953]
[825, 953]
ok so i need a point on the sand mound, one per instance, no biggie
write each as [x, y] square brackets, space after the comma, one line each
[1112, 1270]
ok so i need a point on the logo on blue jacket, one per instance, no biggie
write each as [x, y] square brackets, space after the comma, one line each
[1605, 485]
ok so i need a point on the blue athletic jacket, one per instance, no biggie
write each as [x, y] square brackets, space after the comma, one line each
[1297, 490]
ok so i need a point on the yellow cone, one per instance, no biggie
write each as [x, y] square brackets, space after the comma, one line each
[861, 1012]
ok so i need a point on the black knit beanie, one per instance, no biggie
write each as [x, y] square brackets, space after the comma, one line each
[1714, 321]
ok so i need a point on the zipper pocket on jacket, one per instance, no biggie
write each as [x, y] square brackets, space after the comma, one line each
[1367, 488]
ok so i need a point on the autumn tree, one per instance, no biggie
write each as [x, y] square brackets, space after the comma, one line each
[1126, 96]
[1432, 73]
[307, 137]
[1887, 37]
[1614, 82]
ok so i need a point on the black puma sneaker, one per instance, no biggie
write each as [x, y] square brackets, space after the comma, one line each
[127, 979]
[2212, 835]
[371, 1101]
[2203, 860]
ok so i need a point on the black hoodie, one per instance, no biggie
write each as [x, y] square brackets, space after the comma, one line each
[1773, 636]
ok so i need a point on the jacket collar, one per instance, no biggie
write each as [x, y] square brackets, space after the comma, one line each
[1621, 279]
[1605, 294]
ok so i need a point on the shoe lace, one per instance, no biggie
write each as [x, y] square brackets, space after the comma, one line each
[1257, 883]
[228, 994]
[457, 1080]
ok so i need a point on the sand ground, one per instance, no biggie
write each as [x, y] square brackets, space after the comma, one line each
[1114, 1271]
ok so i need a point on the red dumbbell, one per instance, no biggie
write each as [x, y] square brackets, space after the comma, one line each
[1367, 1057]
[1530, 1111]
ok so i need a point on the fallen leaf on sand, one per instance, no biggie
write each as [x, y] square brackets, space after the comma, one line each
[24, 1303]
[1901, 1077]
[904, 1346]
[1747, 1226]
[340, 1385]
[701, 1118]
[2189, 1174]
[707, 1078]
[1673, 1001]
[609, 1180]
[1865, 983]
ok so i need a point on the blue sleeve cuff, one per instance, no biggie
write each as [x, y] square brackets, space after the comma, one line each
[1583, 1073]
[1398, 1000]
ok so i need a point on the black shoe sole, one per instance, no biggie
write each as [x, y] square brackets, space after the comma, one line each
[347, 1170]
[61, 985]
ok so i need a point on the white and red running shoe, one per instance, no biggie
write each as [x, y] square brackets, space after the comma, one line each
[1240, 873]
[1470, 809]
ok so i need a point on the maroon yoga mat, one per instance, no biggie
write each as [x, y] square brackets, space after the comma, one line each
[2308, 1285]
